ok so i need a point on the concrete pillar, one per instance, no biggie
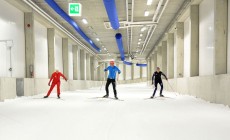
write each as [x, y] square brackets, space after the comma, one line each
[152, 63]
[82, 65]
[99, 71]
[155, 62]
[124, 71]
[117, 64]
[132, 72]
[65, 56]
[51, 56]
[141, 72]
[164, 57]
[106, 73]
[95, 69]
[180, 48]
[170, 55]
[88, 73]
[29, 44]
[76, 67]
[194, 16]
[159, 57]
[92, 66]
[149, 69]
[220, 41]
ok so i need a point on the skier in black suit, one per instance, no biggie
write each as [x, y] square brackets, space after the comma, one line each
[157, 74]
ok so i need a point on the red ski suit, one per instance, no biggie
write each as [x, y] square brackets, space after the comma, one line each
[55, 78]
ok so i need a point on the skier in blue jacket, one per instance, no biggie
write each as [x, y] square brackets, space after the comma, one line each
[111, 79]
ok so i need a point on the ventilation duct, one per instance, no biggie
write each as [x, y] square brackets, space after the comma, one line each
[111, 10]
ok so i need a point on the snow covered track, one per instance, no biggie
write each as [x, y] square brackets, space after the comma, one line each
[82, 116]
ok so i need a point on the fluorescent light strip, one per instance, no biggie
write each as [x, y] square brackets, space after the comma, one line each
[149, 2]
[84, 21]
[146, 13]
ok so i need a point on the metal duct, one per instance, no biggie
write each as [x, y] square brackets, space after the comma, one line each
[111, 10]
[118, 37]
[141, 65]
[127, 63]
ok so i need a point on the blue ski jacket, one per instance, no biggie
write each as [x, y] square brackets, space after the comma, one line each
[112, 71]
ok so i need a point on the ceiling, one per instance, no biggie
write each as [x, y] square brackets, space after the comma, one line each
[131, 11]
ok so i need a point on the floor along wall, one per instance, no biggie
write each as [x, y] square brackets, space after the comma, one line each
[214, 89]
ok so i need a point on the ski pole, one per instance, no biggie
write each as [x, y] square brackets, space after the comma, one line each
[101, 84]
[171, 87]
[98, 66]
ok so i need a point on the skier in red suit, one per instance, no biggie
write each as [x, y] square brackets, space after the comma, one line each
[55, 78]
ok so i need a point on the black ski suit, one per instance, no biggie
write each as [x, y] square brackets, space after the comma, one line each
[158, 79]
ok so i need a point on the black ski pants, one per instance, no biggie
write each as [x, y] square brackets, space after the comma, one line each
[109, 81]
[161, 84]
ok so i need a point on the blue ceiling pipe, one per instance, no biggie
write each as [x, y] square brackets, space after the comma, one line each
[111, 10]
[118, 37]
[127, 63]
[57, 9]
[141, 65]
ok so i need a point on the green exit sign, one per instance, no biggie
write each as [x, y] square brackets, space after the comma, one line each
[74, 9]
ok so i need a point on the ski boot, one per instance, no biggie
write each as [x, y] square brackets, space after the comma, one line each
[45, 96]
[162, 95]
[151, 97]
[106, 96]
[58, 96]
[116, 97]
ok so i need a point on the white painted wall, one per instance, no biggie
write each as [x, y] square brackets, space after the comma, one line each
[136, 72]
[206, 40]
[187, 47]
[41, 51]
[128, 72]
[12, 28]
[144, 72]
[70, 51]
[228, 36]
[58, 53]
[175, 57]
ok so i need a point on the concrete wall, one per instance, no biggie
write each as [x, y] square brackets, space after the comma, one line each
[206, 38]
[136, 72]
[228, 37]
[70, 60]
[7, 88]
[187, 47]
[128, 72]
[58, 53]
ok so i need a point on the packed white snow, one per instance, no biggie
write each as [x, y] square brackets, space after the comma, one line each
[80, 115]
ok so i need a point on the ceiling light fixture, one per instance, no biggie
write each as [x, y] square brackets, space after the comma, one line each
[105, 49]
[84, 21]
[139, 43]
[143, 29]
[146, 13]
[97, 39]
[149, 2]
[141, 35]
[140, 39]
